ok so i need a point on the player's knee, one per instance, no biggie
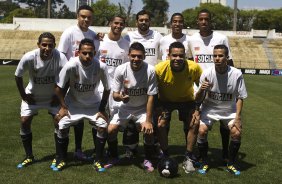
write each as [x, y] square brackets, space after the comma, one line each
[101, 132]
[162, 123]
[235, 135]
[203, 131]
[63, 133]
[26, 122]
[149, 139]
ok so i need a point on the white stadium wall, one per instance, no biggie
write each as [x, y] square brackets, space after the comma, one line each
[59, 25]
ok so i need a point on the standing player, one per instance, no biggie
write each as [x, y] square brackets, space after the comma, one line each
[69, 43]
[43, 65]
[201, 46]
[113, 51]
[225, 88]
[176, 77]
[82, 100]
[134, 85]
[176, 23]
[151, 41]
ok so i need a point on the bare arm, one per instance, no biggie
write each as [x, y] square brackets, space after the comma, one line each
[28, 98]
[147, 126]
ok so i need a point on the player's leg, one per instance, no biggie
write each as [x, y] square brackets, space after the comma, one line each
[162, 131]
[62, 148]
[112, 144]
[130, 139]
[193, 124]
[149, 152]
[78, 135]
[203, 146]
[234, 146]
[26, 137]
[225, 134]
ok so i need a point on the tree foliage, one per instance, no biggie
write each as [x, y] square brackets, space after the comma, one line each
[18, 13]
[158, 9]
[7, 7]
[65, 13]
[104, 11]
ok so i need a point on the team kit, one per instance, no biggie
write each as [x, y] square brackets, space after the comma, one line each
[130, 85]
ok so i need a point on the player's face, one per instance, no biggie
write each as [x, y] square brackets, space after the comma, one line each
[177, 59]
[84, 18]
[46, 47]
[136, 58]
[220, 60]
[86, 54]
[117, 25]
[204, 22]
[177, 24]
[143, 23]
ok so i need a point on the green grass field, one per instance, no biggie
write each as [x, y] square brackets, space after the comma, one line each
[259, 156]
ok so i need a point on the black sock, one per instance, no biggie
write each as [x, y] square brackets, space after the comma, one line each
[94, 135]
[186, 134]
[149, 151]
[78, 134]
[113, 148]
[63, 148]
[56, 145]
[225, 134]
[130, 134]
[27, 144]
[233, 151]
[203, 149]
[100, 145]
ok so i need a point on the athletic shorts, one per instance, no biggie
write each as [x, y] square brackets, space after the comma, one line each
[76, 114]
[209, 119]
[30, 110]
[122, 117]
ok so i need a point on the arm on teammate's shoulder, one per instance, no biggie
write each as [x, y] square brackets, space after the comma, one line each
[230, 62]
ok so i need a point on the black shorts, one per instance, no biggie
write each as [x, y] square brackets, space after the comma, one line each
[184, 109]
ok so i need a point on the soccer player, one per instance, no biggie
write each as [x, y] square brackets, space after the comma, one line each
[113, 51]
[83, 75]
[223, 89]
[176, 23]
[134, 85]
[69, 43]
[151, 41]
[201, 46]
[176, 77]
[43, 65]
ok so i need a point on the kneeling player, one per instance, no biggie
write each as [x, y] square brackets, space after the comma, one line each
[134, 84]
[82, 100]
[225, 88]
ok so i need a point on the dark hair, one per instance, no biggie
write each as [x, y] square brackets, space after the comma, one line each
[119, 16]
[205, 11]
[143, 12]
[178, 45]
[224, 47]
[84, 7]
[176, 14]
[86, 41]
[46, 35]
[137, 46]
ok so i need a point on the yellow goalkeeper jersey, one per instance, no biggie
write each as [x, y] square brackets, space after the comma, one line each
[177, 86]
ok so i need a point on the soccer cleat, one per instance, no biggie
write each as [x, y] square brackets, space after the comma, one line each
[188, 165]
[148, 166]
[203, 169]
[79, 155]
[111, 162]
[27, 161]
[233, 170]
[53, 164]
[99, 167]
[60, 166]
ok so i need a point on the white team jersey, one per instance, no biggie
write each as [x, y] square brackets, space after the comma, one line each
[71, 38]
[201, 48]
[151, 42]
[113, 53]
[137, 84]
[83, 82]
[167, 40]
[224, 90]
[42, 74]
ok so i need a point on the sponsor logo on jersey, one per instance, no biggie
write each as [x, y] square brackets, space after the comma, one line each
[84, 87]
[204, 58]
[220, 96]
[113, 62]
[196, 48]
[150, 51]
[44, 80]
[136, 92]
